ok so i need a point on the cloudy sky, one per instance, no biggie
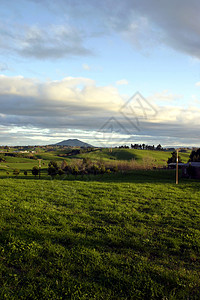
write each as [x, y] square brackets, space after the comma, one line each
[107, 72]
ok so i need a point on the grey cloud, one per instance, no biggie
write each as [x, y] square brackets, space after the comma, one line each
[144, 23]
[54, 42]
[148, 22]
[25, 103]
[174, 23]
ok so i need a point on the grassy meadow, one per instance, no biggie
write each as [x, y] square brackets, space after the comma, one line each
[132, 235]
[125, 159]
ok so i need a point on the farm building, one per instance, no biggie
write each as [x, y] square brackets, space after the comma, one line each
[191, 170]
[173, 165]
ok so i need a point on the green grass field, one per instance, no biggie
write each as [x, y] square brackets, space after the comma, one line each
[121, 157]
[158, 157]
[131, 236]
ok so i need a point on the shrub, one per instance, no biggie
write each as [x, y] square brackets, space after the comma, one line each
[75, 170]
[2, 158]
[16, 172]
[95, 169]
[35, 171]
[54, 164]
[52, 171]
[115, 169]
[61, 172]
[102, 169]
[53, 168]
[87, 161]
[108, 171]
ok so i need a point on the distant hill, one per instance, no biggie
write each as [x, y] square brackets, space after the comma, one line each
[73, 143]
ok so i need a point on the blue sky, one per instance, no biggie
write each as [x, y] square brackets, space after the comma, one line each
[68, 67]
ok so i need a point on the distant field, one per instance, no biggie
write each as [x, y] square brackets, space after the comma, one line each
[159, 158]
[125, 158]
[131, 236]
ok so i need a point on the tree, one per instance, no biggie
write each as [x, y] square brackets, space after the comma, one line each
[159, 147]
[25, 173]
[35, 171]
[52, 171]
[54, 164]
[53, 168]
[172, 159]
[195, 155]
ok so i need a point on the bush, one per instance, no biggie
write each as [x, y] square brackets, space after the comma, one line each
[16, 172]
[2, 158]
[52, 171]
[54, 164]
[108, 171]
[87, 161]
[61, 172]
[95, 169]
[75, 170]
[25, 173]
[102, 169]
[53, 168]
[35, 171]
[115, 169]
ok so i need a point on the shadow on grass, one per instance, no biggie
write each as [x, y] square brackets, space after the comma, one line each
[137, 176]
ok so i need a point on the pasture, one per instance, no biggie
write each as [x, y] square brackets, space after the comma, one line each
[123, 236]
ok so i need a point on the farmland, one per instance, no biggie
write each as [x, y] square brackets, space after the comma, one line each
[132, 235]
[128, 159]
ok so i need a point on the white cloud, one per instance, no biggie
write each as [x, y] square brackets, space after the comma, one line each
[122, 82]
[86, 67]
[165, 97]
[77, 104]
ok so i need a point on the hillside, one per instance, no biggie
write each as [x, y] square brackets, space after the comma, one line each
[156, 158]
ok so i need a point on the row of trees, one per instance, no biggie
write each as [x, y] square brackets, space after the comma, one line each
[142, 147]
[146, 147]
[85, 168]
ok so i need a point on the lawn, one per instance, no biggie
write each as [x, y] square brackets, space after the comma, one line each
[131, 236]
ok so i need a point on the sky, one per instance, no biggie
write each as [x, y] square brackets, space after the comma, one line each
[107, 72]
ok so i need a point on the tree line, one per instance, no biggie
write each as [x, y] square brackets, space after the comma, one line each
[142, 147]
